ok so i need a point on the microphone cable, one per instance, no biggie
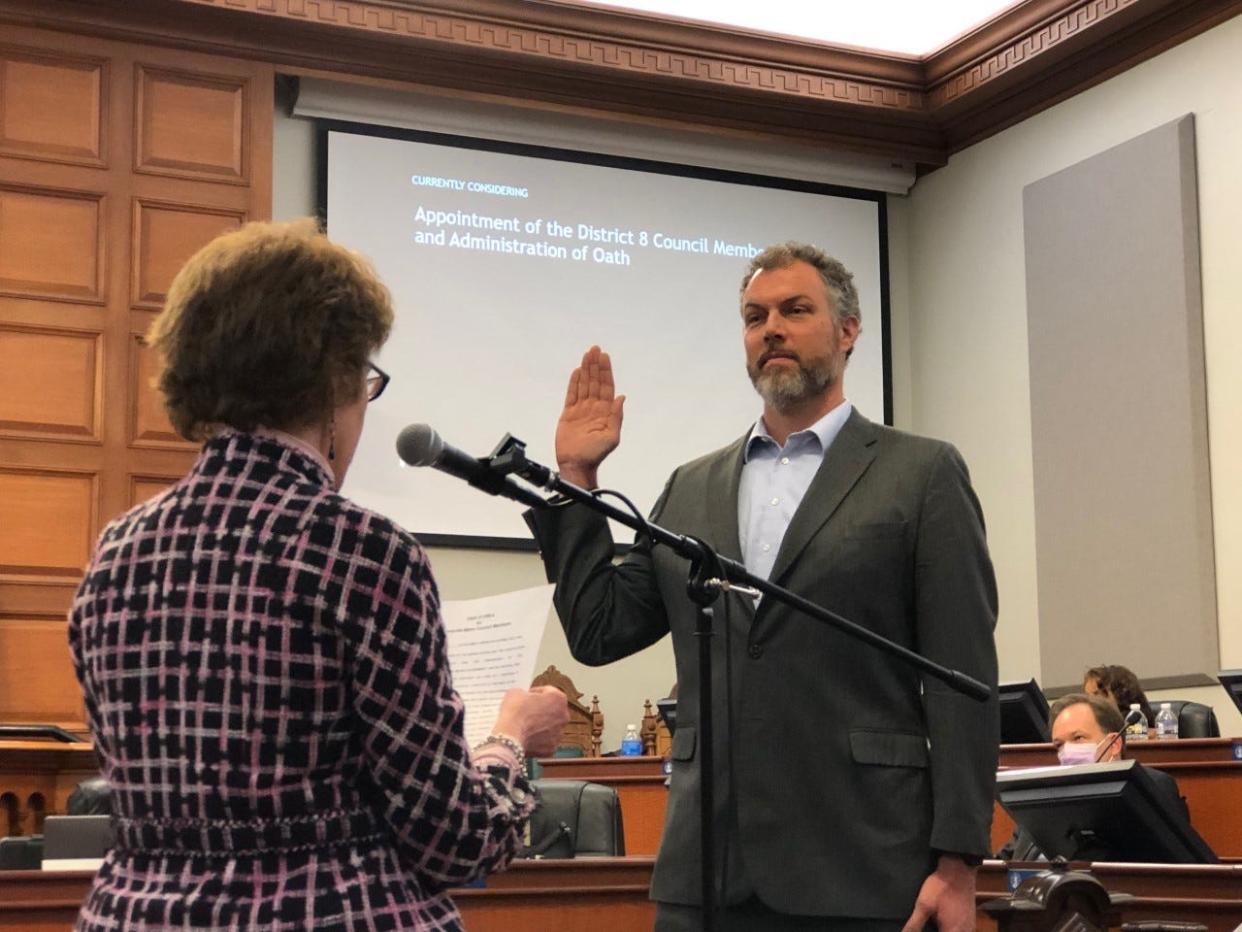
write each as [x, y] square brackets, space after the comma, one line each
[1125, 723]
[632, 508]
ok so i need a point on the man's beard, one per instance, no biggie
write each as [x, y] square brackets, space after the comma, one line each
[787, 387]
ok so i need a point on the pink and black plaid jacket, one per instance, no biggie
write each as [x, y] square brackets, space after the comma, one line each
[265, 676]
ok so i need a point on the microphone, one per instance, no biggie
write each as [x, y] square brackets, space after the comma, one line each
[1130, 719]
[420, 445]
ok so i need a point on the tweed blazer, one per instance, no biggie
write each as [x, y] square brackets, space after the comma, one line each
[266, 681]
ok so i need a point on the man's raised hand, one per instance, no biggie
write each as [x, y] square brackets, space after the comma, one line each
[590, 424]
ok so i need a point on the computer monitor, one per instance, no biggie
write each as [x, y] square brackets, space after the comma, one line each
[76, 842]
[668, 711]
[1232, 681]
[1100, 812]
[1024, 713]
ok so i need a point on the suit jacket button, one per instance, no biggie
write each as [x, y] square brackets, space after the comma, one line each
[756, 651]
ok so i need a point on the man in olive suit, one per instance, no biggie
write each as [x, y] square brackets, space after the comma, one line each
[851, 793]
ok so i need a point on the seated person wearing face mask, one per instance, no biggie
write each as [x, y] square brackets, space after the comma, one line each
[1086, 730]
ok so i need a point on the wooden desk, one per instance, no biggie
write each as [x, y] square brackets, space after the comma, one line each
[531, 896]
[611, 893]
[1186, 750]
[36, 778]
[1213, 792]
[591, 894]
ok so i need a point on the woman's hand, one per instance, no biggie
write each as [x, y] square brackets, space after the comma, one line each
[535, 718]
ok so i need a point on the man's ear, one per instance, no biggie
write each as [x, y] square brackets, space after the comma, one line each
[848, 330]
[1112, 741]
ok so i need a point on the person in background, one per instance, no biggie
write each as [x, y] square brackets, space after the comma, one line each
[1121, 686]
[1086, 729]
[263, 660]
[90, 797]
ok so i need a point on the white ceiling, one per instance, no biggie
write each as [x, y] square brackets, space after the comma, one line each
[911, 27]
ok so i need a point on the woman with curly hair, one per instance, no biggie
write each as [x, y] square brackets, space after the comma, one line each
[263, 660]
[1120, 685]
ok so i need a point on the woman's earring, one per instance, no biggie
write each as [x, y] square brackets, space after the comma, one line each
[332, 440]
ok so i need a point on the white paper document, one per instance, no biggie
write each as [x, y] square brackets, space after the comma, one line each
[492, 643]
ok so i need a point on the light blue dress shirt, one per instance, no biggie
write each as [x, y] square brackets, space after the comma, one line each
[774, 479]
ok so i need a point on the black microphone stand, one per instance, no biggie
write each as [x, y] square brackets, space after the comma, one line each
[709, 575]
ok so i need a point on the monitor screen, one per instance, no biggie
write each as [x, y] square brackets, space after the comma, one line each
[76, 842]
[1101, 812]
[1024, 713]
[1232, 681]
[668, 711]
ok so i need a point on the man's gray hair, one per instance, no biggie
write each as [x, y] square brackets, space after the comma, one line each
[838, 280]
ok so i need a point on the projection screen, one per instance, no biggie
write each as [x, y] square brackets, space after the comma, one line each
[507, 262]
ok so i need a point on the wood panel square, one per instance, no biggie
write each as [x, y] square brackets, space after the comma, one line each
[191, 125]
[37, 682]
[167, 235]
[51, 244]
[149, 423]
[142, 488]
[52, 107]
[49, 383]
[49, 522]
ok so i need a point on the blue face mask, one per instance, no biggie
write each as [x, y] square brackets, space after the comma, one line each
[1077, 752]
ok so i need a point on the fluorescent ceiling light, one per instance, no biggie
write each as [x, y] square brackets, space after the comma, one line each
[910, 27]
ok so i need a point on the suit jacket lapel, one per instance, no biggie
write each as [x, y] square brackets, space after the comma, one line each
[846, 460]
[726, 473]
[722, 525]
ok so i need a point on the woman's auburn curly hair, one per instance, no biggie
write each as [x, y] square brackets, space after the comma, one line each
[267, 326]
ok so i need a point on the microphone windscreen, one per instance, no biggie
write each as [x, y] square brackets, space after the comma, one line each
[419, 445]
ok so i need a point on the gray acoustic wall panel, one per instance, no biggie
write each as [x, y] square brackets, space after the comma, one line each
[1118, 414]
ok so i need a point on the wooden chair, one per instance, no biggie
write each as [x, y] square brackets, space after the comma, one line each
[586, 726]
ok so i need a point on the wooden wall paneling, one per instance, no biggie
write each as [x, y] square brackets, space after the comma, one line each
[165, 236]
[191, 125]
[39, 681]
[117, 161]
[143, 487]
[50, 383]
[51, 244]
[149, 423]
[114, 465]
[47, 597]
[53, 106]
[54, 478]
[50, 519]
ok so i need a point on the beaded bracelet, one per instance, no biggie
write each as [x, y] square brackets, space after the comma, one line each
[507, 742]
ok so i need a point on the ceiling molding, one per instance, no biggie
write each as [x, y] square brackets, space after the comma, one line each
[566, 55]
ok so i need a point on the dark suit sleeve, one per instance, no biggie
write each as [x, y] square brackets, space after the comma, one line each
[1168, 784]
[955, 605]
[608, 610]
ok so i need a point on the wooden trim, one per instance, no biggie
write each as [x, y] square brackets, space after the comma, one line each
[1094, 41]
[566, 55]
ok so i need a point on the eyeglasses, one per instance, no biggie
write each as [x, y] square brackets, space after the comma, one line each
[377, 381]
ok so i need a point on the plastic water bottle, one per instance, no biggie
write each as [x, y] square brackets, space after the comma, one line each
[1137, 729]
[631, 744]
[1166, 722]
